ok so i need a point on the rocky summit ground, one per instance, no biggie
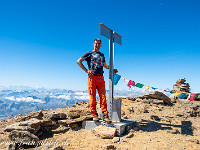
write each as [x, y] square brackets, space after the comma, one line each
[159, 127]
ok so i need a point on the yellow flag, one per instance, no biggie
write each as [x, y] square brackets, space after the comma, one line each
[146, 87]
[177, 94]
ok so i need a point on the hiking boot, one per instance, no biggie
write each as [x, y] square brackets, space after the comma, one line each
[95, 118]
[107, 120]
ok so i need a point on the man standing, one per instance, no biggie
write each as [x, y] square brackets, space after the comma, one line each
[96, 62]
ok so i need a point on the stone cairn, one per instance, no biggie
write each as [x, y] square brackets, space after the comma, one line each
[181, 86]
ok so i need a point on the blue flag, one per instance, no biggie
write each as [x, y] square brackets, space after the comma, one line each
[182, 96]
[116, 78]
[154, 88]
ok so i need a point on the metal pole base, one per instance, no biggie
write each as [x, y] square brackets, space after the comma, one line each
[121, 127]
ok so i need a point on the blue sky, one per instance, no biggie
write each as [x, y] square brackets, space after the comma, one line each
[40, 41]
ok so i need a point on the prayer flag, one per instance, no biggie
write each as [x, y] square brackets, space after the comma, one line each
[139, 85]
[116, 78]
[182, 96]
[197, 94]
[154, 88]
[167, 90]
[177, 94]
[131, 83]
[193, 96]
[146, 87]
[189, 96]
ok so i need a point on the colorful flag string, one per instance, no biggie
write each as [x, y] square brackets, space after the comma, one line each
[130, 83]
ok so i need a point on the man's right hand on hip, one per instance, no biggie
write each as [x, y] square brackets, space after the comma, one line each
[90, 71]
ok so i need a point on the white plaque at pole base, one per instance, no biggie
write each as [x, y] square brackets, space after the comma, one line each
[116, 110]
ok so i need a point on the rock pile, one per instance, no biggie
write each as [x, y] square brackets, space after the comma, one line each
[35, 126]
[181, 86]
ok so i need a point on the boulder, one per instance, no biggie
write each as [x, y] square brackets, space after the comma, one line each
[56, 116]
[33, 123]
[104, 132]
[158, 95]
[76, 113]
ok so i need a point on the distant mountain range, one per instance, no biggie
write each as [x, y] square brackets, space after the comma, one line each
[15, 100]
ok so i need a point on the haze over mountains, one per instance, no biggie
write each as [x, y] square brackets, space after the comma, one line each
[15, 100]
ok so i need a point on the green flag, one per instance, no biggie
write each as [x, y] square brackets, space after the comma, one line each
[139, 85]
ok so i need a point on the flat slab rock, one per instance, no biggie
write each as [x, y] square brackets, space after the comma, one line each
[104, 132]
[54, 116]
[23, 136]
[17, 127]
[76, 120]
[35, 123]
[158, 95]
[29, 125]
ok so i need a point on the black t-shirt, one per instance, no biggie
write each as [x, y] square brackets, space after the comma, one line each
[95, 61]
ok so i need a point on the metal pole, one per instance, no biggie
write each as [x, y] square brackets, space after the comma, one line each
[111, 73]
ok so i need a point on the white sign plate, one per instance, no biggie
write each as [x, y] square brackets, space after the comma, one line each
[106, 32]
[117, 39]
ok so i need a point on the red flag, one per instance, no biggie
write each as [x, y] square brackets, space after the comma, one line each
[131, 83]
[193, 96]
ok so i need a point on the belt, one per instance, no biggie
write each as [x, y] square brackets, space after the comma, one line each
[94, 74]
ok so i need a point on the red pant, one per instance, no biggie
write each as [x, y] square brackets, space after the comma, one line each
[97, 83]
